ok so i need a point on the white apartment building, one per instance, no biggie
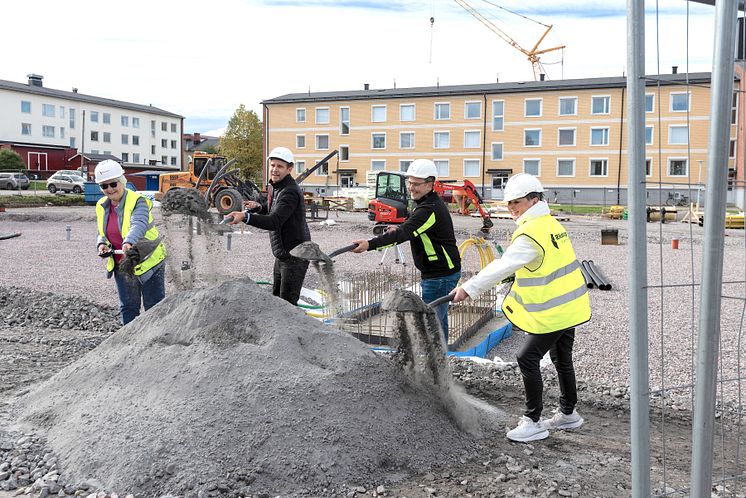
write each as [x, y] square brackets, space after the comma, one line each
[34, 117]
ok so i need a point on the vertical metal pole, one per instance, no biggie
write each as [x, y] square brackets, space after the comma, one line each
[637, 260]
[712, 256]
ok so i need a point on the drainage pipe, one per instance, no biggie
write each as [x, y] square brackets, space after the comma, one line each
[603, 282]
[590, 274]
[588, 280]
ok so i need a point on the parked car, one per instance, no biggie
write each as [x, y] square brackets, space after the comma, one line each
[66, 183]
[14, 181]
[68, 172]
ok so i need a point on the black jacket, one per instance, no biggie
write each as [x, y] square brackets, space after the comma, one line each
[285, 217]
[429, 231]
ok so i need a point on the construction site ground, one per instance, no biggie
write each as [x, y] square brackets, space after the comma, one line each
[591, 461]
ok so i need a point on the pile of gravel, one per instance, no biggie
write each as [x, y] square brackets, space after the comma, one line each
[21, 307]
[228, 391]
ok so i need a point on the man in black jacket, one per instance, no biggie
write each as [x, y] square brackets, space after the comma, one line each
[429, 231]
[285, 216]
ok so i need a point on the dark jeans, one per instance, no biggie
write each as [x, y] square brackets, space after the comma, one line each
[559, 344]
[288, 276]
[132, 292]
[432, 289]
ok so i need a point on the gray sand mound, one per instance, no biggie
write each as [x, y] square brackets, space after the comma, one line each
[231, 390]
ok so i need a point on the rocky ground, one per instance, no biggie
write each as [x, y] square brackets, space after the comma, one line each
[55, 305]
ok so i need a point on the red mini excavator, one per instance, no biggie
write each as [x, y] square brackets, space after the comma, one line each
[389, 207]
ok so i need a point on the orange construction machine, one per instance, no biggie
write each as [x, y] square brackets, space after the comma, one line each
[390, 205]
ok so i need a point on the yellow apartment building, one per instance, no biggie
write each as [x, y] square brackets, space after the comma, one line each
[572, 134]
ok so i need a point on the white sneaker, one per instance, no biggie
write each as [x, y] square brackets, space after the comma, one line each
[528, 430]
[563, 421]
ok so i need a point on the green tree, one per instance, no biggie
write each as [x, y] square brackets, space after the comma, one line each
[10, 160]
[243, 142]
[210, 149]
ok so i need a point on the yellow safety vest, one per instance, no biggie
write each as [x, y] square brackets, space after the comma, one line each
[552, 296]
[130, 199]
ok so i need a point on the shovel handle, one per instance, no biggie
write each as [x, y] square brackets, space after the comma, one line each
[342, 250]
[445, 299]
[111, 253]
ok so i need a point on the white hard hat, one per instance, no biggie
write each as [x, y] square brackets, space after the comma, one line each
[422, 168]
[521, 185]
[108, 170]
[282, 153]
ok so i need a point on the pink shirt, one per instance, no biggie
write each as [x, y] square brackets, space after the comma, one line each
[113, 233]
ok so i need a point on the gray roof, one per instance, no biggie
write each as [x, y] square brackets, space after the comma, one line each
[488, 88]
[96, 158]
[80, 97]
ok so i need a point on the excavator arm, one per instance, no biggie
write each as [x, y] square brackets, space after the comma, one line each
[467, 190]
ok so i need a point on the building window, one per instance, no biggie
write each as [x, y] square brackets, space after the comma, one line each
[498, 109]
[72, 142]
[404, 164]
[406, 140]
[648, 135]
[472, 110]
[344, 153]
[136, 141]
[300, 141]
[126, 121]
[94, 151]
[136, 124]
[26, 107]
[378, 165]
[378, 113]
[300, 115]
[107, 118]
[599, 136]
[47, 131]
[164, 159]
[566, 137]
[322, 142]
[173, 160]
[164, 143]
[734, 109]
[378, 140]
[732, 149]
[471, 167]
[677, 167]
[71, 115]
[173, 144]
[443, 110]
[107, 137]
[62, 132]
[25, 128]
[649, 102]
[344, 120]
[532, 166]
[532, 138]
[62, 112]
[679, 102]
[107, 152]
[47, 110]
[472, 139]
[678, 135]
[125, 157]
[164, 127]
[648, 167]
[497, 151]
[94, 136]
[322, 115]
[152, 150]
[600, 105]
[565, 167]
[599, 167]
[443, 167]
[125, 139]
[406, 112]
[441, 139]
[94, 116]
[323, 170]
[568, 106]
[135, 155]
[532, 108]
[300, 166]
[173, 127]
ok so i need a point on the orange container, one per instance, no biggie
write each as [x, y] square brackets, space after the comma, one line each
[674, 243]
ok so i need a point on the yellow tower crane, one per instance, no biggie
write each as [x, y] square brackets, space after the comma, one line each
[533, 54]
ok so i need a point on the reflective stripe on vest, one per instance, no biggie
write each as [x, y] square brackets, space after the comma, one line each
[552, 303]
[533, 281]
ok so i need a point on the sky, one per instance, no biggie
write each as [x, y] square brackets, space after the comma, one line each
[203, 59]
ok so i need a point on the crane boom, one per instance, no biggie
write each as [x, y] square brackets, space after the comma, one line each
[532, 55]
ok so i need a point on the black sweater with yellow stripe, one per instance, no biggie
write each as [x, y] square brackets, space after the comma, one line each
[429, 231]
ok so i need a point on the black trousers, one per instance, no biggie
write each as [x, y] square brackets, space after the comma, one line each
[559, 344]
[288, 276]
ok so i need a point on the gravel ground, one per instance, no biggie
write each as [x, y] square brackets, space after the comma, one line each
[591, 462]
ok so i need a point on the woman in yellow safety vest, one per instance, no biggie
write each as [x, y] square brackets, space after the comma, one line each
[124, 218]
[547, 300]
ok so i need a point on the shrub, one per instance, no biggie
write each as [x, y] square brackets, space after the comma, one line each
[10, 160]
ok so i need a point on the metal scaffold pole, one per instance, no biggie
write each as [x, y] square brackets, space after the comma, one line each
[637, 260]
[712, 257]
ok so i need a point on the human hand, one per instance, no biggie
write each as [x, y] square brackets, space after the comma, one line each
[391, 229]
[362, 246]
[126, 246]
[251, 205]
[235, 216]
[460, 295]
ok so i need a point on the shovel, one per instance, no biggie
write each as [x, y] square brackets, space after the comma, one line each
[135, 255]
[312, 252]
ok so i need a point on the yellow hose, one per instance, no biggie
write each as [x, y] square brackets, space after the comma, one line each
[484, 249]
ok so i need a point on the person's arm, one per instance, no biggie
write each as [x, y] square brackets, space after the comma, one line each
[402, 233]
[521, 252]
[284, 207]
[138, 223]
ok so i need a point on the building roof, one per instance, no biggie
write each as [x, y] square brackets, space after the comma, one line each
[488, 88]
[80, 97]
[96, 158]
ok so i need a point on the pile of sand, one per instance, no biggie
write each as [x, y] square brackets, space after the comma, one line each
[230, 389]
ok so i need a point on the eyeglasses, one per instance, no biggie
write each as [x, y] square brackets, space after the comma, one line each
[104, 186]
[415, 184]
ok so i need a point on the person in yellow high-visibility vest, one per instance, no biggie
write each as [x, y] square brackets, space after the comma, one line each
[124, 218]
[547, 300]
